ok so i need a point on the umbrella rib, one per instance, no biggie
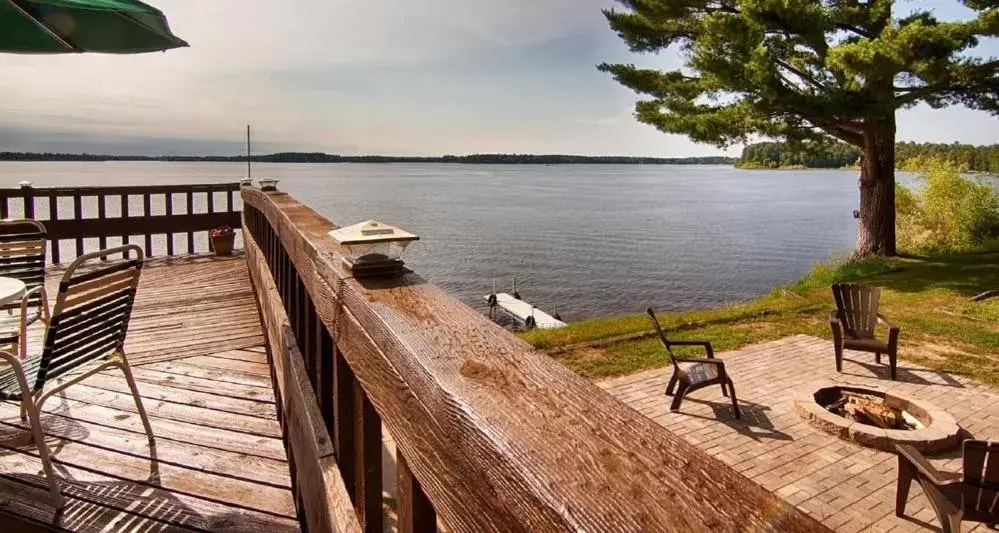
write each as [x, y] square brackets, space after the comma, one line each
[45, 27]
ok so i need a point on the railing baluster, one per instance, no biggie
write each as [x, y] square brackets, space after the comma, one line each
[367, 462]
[53, 216]
[147, 210]
[124, 214]
[168, 199]
[312, 340]
[414, 512]
[29, 200]
[326, 379]
[190, 211]
[301, 319]
[102, 214]
[78, 215]
[343, 405]
[81, 220]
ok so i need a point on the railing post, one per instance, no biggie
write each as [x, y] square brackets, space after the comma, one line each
[124, 214]
[102, 241]
[148, 211]
[414, 511]
[53, 215]
[190, 211]
[168, 207]
[78, 215]
[29, 199]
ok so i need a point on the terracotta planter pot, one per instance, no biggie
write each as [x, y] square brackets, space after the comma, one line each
[222, 244]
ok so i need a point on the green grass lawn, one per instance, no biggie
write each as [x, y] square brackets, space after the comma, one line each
[929, 298]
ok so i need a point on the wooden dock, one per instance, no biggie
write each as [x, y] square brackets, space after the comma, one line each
[524, 313]
[219, 462]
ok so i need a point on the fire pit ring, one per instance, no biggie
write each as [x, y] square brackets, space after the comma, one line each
[935, 431]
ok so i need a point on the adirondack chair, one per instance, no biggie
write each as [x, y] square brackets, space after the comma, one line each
[690, 374]
[22, 257]
[86, 335]
[972, 495]
[853, 324]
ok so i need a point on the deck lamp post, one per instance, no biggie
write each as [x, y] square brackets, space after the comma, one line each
[268, 184]
[372, 248]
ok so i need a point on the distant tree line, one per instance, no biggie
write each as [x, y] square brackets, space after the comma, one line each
[306, 157]
[838, 155]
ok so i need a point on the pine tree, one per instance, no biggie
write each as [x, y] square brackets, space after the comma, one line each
[808, 70]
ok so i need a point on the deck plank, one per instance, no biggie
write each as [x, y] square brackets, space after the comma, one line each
[195, 343]
[183, 367]
[145, 374]
[164, 428]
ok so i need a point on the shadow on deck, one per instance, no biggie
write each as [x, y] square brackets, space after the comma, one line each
[219, 463]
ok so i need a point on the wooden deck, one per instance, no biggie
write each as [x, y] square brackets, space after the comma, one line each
[219, 463]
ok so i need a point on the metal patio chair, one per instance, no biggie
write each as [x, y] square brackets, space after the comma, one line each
[22, 257]
[972, 495]
[853, 324]
[690, 374]
[86, 335]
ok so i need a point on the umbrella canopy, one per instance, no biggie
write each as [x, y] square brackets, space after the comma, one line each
[67, 26]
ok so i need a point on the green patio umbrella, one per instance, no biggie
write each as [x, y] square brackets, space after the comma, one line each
[68, 26]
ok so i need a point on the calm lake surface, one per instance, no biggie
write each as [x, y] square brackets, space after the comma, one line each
[593, 239]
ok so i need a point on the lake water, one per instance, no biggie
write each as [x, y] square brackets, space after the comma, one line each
[593, 239]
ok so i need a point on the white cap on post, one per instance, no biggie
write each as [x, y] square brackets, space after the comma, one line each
[268, 184]
[372, 248]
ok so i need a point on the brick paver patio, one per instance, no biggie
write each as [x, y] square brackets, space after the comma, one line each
[846, 486]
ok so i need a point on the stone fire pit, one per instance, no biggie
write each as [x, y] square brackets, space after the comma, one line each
[878, 419]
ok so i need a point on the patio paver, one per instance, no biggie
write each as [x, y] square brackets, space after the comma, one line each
[847, 486]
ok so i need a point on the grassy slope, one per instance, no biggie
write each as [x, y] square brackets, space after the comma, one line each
[928, 298]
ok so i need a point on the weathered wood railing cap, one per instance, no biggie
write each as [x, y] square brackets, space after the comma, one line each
[500, 436]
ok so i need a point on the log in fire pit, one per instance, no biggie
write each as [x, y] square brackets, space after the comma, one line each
[879, 419]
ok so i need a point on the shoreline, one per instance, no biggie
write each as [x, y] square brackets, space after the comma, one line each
[929, 297]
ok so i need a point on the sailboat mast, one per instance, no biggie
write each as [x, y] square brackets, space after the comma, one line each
[249, 174]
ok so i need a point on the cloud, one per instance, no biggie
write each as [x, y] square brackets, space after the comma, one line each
[392, 76]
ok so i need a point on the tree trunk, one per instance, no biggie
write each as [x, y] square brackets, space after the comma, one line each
[876, 228]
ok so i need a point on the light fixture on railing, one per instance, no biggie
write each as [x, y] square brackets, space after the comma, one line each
[372, 248]
[268, 184]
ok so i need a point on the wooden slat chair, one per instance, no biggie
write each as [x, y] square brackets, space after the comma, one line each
[85, 336]
[690, 374]
[853, 324]
[22, 257]
[972, 495]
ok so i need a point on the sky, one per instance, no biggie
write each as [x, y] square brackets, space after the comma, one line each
[398, 77]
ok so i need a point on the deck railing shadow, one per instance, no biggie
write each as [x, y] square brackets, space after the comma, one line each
[91, 504]
[491, 435]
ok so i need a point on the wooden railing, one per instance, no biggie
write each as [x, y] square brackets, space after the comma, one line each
[154, 213]
[490, 434]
